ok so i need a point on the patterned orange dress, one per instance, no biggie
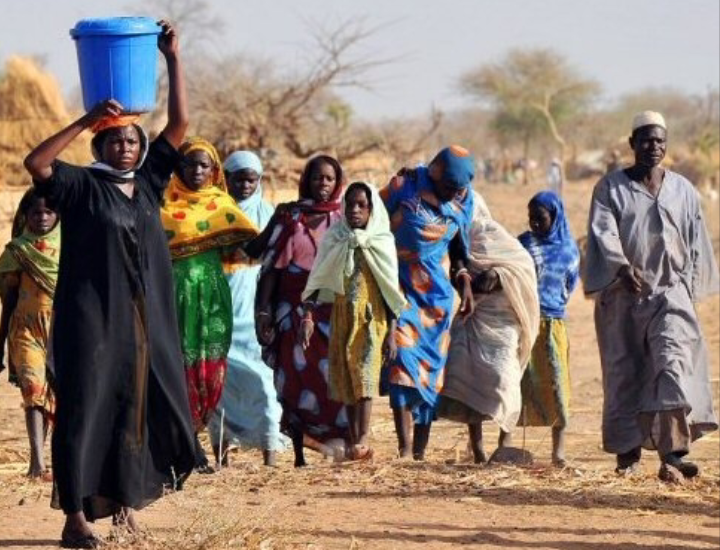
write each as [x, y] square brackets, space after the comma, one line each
[27, 344]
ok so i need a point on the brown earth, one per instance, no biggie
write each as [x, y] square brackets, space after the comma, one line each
[442, 503]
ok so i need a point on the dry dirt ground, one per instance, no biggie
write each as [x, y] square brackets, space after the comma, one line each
[445, 502]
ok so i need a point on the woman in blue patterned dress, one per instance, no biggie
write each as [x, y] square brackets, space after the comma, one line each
[430, 212]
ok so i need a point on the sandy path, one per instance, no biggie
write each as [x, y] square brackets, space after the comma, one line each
[444, 503]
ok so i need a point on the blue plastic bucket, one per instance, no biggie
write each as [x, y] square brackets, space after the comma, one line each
[117, 58]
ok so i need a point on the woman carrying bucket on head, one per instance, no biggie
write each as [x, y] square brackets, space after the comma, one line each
[123, 433]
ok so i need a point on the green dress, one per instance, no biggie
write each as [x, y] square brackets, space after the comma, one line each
[204, 309]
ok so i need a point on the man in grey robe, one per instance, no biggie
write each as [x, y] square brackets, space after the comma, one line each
[649, 258]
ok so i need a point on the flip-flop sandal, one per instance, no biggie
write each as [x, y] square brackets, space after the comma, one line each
[85, 541]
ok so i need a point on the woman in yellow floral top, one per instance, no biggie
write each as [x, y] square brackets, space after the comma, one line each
[203, 223]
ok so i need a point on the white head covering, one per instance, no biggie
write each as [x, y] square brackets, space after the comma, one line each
[648, 118]
[335, 257]
[240, 160]
[255, 207]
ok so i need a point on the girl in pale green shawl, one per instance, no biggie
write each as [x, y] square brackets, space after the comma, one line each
[28, 272]
[357, 262]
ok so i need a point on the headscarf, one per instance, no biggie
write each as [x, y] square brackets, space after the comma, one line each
[36, 255]
[255, 207]
[243, 160]
[120, 121]
[298, 212]
[458, 166]
[559, 231]
[306, 203]
[557, 254]
[196, 221]
[335, 259]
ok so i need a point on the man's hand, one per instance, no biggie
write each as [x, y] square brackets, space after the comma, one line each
[631, 278]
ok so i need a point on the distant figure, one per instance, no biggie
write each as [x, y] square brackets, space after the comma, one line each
[546, 383]
[555, 176]
[649, 259]
[28, 275]
[613, 161]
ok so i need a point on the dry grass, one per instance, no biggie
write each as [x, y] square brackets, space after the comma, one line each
[31, 109]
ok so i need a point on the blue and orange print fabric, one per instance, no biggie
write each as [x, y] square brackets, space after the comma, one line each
[424, 227]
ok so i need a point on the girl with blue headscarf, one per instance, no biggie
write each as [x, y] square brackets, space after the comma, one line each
[546, 383]
[430, 211]
[249, 401]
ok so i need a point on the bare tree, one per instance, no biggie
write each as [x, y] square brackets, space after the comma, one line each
[242, 102]
[406, 140]
[194, 19]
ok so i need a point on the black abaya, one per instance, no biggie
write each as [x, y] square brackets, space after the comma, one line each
[123, 432]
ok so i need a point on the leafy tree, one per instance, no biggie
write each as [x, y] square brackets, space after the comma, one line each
[532, 92]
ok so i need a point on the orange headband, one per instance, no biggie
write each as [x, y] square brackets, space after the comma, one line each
[114, 122]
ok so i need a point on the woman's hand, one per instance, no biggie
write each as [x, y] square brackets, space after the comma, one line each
[389, 347]
[486, 281]
[467, 305]
[305, 332]
[167, 40]
[263, 328]
[102, 109]
[408, 173]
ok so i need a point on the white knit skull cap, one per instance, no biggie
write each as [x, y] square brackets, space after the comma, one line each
[648, 118]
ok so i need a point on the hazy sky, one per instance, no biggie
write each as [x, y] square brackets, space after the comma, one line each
[624, 44]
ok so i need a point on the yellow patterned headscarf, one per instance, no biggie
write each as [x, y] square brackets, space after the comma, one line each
[196, 221]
